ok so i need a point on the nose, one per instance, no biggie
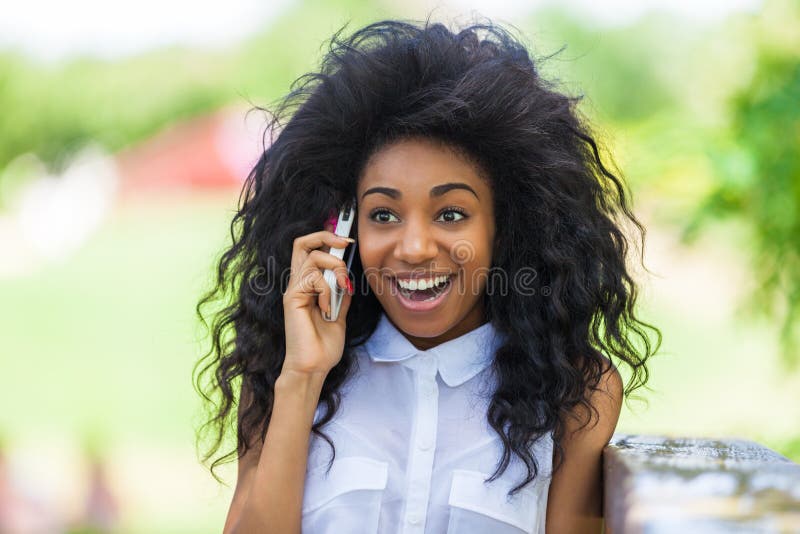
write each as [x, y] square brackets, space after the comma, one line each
[416, 244]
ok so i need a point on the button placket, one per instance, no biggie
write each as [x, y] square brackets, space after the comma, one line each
[423, 446]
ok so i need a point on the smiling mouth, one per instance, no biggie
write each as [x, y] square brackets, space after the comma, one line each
[423, 294]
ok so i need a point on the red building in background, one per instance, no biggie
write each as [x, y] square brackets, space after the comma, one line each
[214, 151]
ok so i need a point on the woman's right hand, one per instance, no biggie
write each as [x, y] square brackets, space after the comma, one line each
[314, 345]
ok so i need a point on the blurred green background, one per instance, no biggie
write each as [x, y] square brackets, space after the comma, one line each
[119, 176]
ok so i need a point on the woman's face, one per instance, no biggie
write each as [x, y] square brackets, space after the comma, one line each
[425, 213]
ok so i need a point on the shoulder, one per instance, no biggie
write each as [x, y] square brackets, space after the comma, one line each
[597, 424]
[607, 398]
[576, 489]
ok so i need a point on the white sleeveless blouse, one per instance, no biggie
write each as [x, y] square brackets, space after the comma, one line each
[413, 446]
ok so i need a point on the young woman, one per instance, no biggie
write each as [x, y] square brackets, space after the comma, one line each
[467, 384]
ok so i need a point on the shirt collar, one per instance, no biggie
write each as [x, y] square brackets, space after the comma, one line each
[457, 360]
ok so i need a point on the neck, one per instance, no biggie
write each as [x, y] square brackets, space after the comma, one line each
[470, 322]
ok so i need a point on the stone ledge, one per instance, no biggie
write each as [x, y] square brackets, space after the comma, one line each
[657, 484]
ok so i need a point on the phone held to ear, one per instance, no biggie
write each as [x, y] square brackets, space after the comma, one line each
[344, 226]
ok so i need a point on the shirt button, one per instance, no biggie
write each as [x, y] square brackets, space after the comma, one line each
[414, 519]
[424, 444]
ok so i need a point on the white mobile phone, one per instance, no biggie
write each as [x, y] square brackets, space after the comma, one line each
[344, 225]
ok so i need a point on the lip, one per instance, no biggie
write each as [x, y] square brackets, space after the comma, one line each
[422, 306]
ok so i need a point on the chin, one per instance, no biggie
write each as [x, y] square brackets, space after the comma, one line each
[421, 325]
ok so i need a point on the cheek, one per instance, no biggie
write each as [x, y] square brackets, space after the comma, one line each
[374, 246]
[371, 263]
[472, 252]
[369, 254]
[477, 256]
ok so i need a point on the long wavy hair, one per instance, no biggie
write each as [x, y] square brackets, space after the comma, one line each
[561, 212]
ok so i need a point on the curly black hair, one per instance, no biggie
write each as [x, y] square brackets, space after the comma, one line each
[563, 212]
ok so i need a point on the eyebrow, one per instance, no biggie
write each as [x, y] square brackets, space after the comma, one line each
[436, 191]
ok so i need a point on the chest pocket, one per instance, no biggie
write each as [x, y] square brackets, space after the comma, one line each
[346, 499]
[476, 506]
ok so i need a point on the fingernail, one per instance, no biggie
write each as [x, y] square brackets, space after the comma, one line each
[348, 239]
[349, 286]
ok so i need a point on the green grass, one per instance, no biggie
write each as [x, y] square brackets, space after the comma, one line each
[105, 340]
[103, 345]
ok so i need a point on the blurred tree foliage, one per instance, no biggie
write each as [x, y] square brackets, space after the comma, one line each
[757, 168]
[52, 111]
[601, 64]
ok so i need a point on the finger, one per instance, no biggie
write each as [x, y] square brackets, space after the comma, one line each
[311, 287]
[345, 306]
[343, 284]
[316, 262]
[325, 301]
[318, 259]
[303, 245]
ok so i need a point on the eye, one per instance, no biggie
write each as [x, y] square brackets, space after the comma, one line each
[453, 211]
[447, 213]
[382, 212]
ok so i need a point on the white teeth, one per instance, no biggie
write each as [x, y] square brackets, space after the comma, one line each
[421, 284]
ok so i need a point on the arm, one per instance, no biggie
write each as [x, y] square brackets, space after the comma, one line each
[268, 497]
[575, 501]
[269, 489]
